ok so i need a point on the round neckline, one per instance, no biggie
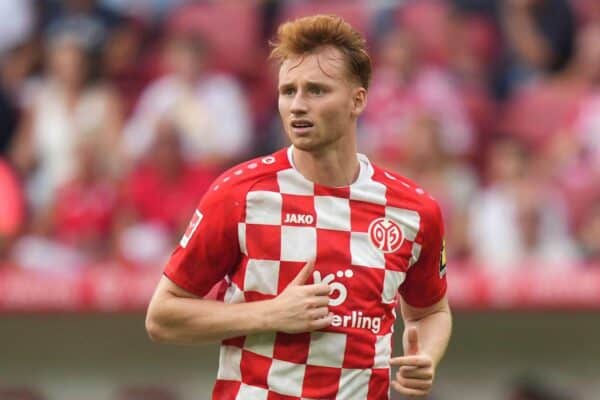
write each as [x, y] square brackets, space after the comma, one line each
[365, 170]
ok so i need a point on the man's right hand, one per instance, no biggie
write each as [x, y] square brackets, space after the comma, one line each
[300, 307]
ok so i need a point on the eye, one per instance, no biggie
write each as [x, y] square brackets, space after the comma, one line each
[316, 90]
[289, 91]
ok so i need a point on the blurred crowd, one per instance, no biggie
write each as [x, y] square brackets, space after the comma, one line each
[116, 115]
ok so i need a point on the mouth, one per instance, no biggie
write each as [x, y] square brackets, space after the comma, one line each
[301, 126]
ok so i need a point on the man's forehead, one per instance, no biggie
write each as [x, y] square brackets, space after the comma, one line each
[324, 64]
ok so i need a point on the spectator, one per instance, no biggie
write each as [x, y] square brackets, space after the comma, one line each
[507, 225]
[74, 230]
[403, 88]
[585, 128]
[148, 10]
[158, 197]
[88, 19]
[15, 65]
[572, 143]
[451, 182]
[82, 215]
[66, 106]
[539, 40]
[473, 48]
[209, 111]
[128, 62]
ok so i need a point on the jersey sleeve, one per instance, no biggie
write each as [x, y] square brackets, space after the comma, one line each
[209, 248]
[425, 282]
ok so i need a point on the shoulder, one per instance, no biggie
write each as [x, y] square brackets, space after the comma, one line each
[237, 181]
[402, 192]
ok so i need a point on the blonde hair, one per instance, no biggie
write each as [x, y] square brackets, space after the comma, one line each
[307, 34]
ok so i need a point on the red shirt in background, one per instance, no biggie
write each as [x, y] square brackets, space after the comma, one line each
[158, 198]
[84, 211]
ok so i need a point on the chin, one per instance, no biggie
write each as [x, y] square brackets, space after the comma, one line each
[306, 144]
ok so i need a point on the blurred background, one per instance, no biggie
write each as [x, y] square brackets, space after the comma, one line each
[115, 116]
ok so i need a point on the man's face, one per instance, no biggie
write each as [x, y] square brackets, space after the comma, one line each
[318, 102]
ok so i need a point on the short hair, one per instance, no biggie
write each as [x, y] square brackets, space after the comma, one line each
[308, 34]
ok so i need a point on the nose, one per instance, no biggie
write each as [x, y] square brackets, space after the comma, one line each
[298, 105]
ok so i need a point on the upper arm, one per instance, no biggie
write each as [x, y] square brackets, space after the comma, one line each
[209, 249]
[167, 288]
[425, 283]
[412, 313]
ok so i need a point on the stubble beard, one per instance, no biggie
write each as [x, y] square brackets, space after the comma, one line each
[314, 143]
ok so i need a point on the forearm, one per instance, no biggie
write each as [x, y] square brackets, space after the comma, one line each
[178, 316]
[434, 333]
[195, 321]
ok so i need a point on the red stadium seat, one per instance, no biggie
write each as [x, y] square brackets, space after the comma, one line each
[232, 30]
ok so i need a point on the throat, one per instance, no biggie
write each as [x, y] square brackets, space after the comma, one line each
[334, 169]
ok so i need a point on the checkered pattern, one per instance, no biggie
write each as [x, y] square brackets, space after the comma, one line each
[287, 220]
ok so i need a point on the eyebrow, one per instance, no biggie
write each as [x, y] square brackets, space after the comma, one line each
[307, 83]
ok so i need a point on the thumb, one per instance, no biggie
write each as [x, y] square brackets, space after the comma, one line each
[412, 342]
[303, 275]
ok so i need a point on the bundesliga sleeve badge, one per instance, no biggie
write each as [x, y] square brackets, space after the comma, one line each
[189, 232]
[443, 259]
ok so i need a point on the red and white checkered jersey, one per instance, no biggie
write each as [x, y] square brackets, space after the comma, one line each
[261, 222]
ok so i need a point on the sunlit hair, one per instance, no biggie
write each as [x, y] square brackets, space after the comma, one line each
[306, 35]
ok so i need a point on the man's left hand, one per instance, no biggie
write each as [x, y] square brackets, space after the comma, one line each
[416, 373]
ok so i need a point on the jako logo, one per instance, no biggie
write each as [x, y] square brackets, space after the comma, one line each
[306, 219]
[342, 292]
[386, 235]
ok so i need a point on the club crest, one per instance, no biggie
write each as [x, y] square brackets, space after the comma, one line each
[386, 235]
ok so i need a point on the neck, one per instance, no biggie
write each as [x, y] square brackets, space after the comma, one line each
[334, 167]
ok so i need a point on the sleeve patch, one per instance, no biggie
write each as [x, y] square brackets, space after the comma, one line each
[443, 259]
[189, 232]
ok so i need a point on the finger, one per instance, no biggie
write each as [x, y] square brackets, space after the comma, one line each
[408, 392]
[318, 289]
[302, 276]
[416, 373]
[319, 313]
[412, 342]
[320, 323]
[415, 361]
[319, 301]
[419, 384]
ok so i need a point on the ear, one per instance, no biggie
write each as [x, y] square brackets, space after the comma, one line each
[359, 100]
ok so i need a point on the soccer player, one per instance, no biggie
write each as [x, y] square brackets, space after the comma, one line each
[317, 247]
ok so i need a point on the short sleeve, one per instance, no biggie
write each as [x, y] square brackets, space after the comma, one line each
[209, 248]
[425, 282]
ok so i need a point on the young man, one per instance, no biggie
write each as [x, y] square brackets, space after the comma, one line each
[317, 247]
